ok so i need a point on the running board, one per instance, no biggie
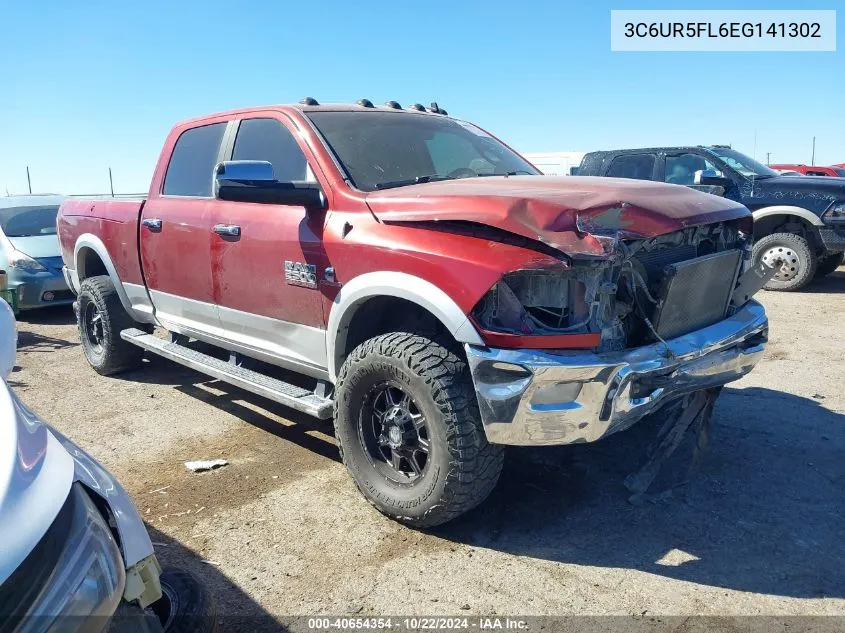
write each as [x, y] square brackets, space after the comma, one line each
[252, 381]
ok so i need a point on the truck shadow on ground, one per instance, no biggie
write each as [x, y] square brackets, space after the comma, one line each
[223, 396]
[834, 283]
[53, 315]
[762, 514]
[236, 611]
[33, 342]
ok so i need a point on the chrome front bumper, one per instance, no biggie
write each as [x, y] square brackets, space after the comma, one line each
[535, 397]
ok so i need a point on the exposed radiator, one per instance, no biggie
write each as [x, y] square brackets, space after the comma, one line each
[695, 293]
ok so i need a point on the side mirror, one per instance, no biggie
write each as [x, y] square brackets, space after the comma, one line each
[712, 178]
[254, 181]
[8, 339]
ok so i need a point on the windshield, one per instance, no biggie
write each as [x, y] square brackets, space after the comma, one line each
[745, 165]
[391, 149]
[26, 221]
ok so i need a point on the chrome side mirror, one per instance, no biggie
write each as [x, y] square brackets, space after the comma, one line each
[254, 181]
[8, 339]
[711, 177]
[247, 172]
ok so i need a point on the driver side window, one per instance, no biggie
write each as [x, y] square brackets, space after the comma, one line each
[681, 168]
[450, 152]
[268, 139]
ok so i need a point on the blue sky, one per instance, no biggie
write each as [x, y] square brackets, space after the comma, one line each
[91, 84]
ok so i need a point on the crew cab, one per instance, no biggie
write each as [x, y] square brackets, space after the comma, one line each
[799, 223]
[412, 277]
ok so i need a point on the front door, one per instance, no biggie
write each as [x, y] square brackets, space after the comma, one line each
[266, 276]
[176, 234]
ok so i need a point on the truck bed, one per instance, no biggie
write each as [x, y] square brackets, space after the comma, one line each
[111, 221]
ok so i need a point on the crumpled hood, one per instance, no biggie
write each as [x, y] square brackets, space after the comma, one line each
[571, 213]
[36, 474]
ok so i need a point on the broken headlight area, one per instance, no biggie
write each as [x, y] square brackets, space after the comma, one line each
[531, 302]
[648, 290]
[549, 302]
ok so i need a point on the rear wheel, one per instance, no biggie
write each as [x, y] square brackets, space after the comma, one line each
[101, 317]
[409, 430]
[829, 264]
[791, 255]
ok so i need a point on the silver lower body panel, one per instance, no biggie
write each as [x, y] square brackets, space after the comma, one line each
[536, 397]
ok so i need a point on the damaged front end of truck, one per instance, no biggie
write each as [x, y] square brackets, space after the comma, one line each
[639, 301]
[643, 290]
[670, 320]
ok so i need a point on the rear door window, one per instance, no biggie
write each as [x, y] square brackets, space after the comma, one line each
[192, 162]
[636, 166]
[269, 140]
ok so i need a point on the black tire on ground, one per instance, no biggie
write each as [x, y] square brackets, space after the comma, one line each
[100, 319]
[829, 264]
[185, 606]
[456, 471]
[792, 255]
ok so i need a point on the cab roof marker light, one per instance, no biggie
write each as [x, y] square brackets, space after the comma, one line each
[365, 103]
[311, 101]
[393, 104]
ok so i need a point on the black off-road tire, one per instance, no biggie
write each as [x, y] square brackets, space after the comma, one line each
[797, 260]
[462, 467]
[97, 295]
[829, 264]
[185, 606]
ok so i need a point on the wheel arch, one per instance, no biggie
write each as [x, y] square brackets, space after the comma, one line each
[786, 219]
[375, 291]
[91, 258]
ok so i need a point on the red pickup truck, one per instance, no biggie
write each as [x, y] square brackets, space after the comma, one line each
[419, 282]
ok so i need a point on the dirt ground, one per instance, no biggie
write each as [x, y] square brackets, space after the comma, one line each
[282, 530]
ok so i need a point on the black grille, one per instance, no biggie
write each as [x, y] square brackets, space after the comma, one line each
[696, 293]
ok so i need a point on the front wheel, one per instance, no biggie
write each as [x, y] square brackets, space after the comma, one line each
[791, 255]
[409, 430]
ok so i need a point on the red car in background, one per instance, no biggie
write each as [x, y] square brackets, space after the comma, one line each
[813, 170]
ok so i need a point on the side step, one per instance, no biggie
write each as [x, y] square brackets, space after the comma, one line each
[271, 388]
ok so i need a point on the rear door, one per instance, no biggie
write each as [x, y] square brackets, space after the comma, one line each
[176, 233]
[266, 278]
[641, 166]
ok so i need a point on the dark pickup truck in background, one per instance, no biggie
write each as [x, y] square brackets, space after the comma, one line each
[799, 222]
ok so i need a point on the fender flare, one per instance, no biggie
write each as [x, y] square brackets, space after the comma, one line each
[802, 213]
[88, 240]
[394, 284]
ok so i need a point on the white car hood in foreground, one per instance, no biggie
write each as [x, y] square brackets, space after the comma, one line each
[36, 474]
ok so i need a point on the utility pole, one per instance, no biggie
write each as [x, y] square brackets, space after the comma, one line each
[768, 156]
[28, 181]
[111, 183]
[813, 159]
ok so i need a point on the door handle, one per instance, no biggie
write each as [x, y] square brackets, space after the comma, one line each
[154, 224]
[229, 230]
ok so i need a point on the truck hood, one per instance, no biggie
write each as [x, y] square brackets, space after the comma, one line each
[814, 193]
[573, 214]
[36, 474]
